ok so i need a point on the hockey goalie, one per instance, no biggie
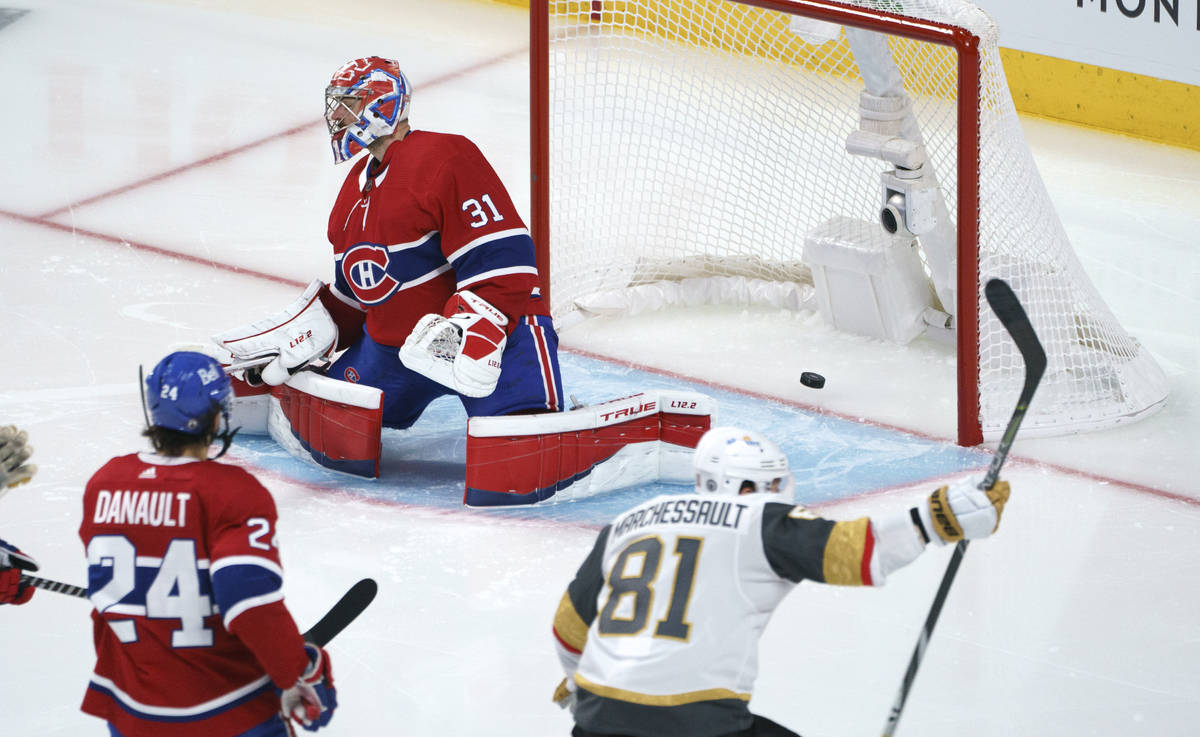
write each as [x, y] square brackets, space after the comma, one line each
[435, 292]
[289, 385]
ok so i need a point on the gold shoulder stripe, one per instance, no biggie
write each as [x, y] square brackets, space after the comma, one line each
[676, 699]
[569, 625]
[844, 553]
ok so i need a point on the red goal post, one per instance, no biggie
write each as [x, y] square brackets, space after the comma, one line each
[1104, 376]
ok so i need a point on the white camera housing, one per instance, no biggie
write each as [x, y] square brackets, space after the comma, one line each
[909, 202]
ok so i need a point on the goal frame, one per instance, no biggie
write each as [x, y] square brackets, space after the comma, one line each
[969, 69]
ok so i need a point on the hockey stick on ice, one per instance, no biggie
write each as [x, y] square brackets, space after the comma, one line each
[345, 611]
[1012, 316]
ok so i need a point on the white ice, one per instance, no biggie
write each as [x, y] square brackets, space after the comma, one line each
[1079, 618]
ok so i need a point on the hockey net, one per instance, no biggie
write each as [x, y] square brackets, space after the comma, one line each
[686, 147]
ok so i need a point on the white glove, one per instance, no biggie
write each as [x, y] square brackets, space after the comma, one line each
[963, 510]
[565, 694]
[462, 351]
[13, 454]
[312, 701]
[301, 333]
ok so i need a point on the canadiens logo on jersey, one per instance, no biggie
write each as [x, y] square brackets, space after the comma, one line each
[373, 273]
[365, 268]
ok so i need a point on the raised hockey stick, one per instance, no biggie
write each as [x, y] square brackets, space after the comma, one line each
[345, 611]
[1012, 316]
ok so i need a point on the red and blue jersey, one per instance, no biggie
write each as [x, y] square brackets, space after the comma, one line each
[430, 219]
[191, 633]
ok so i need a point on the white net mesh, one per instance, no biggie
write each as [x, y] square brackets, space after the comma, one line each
[702, 138]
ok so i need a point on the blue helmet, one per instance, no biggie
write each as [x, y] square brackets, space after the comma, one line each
[185, 390]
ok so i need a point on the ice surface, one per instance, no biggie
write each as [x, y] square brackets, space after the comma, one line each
[138, 130]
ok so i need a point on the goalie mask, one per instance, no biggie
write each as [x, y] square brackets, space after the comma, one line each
[365, 101]
[732, 461]
[185, 391]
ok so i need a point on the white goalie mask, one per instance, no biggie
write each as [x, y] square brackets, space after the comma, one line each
[733, 461]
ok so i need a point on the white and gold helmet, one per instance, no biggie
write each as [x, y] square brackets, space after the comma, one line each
[733, 461]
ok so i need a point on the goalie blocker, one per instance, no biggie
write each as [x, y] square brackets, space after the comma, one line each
[525, 459]
[289, 340]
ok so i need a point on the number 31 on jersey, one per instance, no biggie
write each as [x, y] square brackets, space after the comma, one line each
[479, 218]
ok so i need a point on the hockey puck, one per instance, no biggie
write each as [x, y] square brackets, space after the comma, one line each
[815, 380]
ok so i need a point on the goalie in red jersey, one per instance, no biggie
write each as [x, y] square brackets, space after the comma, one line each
[434, 259]
[191, 633]
[435, 288]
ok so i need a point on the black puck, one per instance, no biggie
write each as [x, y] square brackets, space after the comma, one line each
[815, 380]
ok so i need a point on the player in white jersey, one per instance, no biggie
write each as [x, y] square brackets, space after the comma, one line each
[658, 632]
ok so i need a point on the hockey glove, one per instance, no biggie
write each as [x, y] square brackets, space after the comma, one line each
[461, 350]
[312, 700]
[565, 694]
[13, 454]
[963, 510]
[12, 562]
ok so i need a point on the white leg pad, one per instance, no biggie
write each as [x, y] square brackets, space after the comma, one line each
[525, 459]
[331, 423]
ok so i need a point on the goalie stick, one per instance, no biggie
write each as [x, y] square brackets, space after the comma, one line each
[1012, 316]
[345, 611]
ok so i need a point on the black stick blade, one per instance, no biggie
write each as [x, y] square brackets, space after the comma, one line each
[1012, 316]
[352, 604]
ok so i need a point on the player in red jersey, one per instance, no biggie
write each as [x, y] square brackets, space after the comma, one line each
[191, 633]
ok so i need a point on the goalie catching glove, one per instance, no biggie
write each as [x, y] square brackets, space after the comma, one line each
[286, 341]
[962, 510]
[462, 349]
